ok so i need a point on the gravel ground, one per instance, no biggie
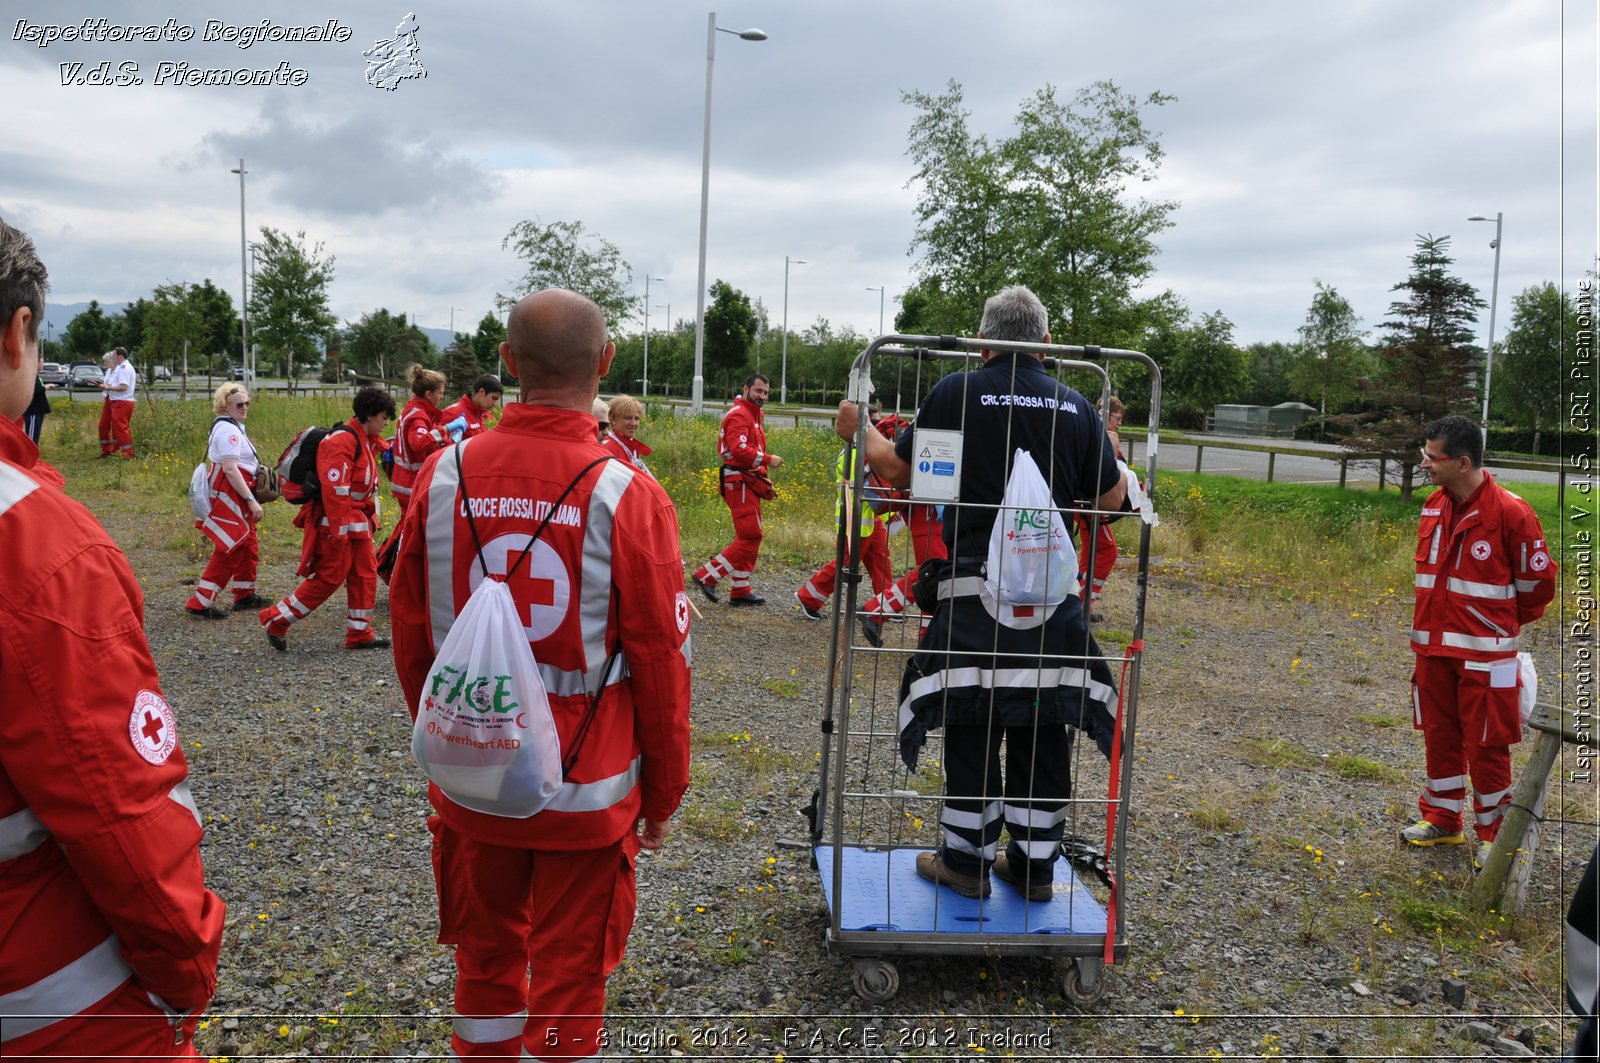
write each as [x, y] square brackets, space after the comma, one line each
[1269, 909]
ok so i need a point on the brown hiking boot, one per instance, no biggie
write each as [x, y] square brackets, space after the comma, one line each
[1034, 891]
[931, 866]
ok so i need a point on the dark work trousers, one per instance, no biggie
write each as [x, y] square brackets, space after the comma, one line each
[1031, 799]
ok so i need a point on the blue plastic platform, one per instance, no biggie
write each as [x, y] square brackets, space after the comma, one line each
[882, 891]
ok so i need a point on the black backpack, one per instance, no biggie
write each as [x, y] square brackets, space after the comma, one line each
[297, 465]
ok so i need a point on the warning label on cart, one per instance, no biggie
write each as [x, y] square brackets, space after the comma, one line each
[936, 464]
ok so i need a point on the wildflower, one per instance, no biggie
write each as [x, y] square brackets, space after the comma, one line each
[283, 1031]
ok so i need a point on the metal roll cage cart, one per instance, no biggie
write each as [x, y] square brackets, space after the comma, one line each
[878, 909]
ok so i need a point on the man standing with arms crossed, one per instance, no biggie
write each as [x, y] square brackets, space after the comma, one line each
[108, 935]
[555, 891]
[742, 444]
[1483, 571]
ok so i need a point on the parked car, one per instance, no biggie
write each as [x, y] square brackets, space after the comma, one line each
[161, 372]
[53, 374]
[85, 376]
[238, 373]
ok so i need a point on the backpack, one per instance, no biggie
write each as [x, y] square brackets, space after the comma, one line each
[484, 733]
[1031, 557]
[297, 465]
[200, 480]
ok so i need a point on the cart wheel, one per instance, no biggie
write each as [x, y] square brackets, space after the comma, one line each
[875, 980]
[1084, 981]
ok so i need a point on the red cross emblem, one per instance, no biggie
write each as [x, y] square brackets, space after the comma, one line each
[152, 727]
[540, 584]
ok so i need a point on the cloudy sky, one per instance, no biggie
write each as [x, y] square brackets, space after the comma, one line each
[1307, 141]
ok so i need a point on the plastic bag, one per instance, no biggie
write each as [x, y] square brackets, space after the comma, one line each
[200, 491]
[1527, 686]
[1031, 557]
[484, 732]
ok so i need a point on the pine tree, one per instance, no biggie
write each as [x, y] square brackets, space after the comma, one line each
[1427, 362]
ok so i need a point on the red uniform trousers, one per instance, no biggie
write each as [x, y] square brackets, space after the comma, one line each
[125, 1026]
[116, 428]
[1468, 726]
[737, 560]
[237, 566]
[1105, 554]
[565, 914]
[816, 590]
[927, 541]
[350, 561]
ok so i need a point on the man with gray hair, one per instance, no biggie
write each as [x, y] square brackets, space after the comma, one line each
[111, 937]
[116, 415]
[982, 670]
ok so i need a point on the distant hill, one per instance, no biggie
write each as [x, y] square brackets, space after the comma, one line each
[57, 315]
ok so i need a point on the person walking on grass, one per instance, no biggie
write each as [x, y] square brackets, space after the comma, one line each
[742, 446]
[338, 528]
[1483, 571]
[232, 465]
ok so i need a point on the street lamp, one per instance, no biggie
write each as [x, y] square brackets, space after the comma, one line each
[244, 282]
[879, 290]
[783, 379]
[453, 310]
[697, 402]
[644, 383]
[1494, 297]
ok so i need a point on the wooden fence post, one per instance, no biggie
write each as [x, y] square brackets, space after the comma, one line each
[1272, 460]
[1199, 449]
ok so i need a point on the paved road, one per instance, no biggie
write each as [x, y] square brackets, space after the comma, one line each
[1291, 468]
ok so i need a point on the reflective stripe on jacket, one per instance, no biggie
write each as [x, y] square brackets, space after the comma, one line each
[415, 437]
[1483, 570]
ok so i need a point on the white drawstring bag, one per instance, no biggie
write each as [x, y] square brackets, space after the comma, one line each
[200, 491]
[1527, 686]
[484, 732]
[1031, 557]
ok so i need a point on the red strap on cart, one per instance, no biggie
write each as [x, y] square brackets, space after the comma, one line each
[1134, 649]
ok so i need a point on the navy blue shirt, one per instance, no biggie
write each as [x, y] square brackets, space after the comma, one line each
[1013, 402]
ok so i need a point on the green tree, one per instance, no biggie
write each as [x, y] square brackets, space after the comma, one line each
[460, 369]
[90, 334]
[1048, 207]
[1331, 358]
[563, 255]
[174, 317]
[132, 330]
[730, 326]
[289, 315]
[1204, 367]
[1427, 363]
[485, 343]
[1267, 365]
[380, 345]
[1534, 357]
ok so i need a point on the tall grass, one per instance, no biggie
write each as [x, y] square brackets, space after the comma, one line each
[1316, 541]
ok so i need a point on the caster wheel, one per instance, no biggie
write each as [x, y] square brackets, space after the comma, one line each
[875, 981]
[1084, 981]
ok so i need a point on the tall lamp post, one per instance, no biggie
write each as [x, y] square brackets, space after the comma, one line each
[244, 283]
[1494, 297]
[783, 379]
[697, 399]
[453, 310]
[879, 290]
[644, 382]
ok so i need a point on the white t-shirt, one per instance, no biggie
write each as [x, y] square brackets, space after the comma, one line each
[229, 441]
[122, 374]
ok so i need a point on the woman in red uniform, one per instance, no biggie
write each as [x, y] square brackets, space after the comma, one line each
[421, 431]
[231, 524]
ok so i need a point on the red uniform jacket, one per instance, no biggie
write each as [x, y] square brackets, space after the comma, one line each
[346, 506]
[633, 453]
[468, 409]
[605, 575]
[418, 434]
[99, 838]
[1483, 570]
[742, 442]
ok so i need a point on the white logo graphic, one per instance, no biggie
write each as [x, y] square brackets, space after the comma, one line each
[394, 60]
[152, 727]
[1480, 549]
[680, 610]
[1539, 562]
[540, 584]
[333, 476]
